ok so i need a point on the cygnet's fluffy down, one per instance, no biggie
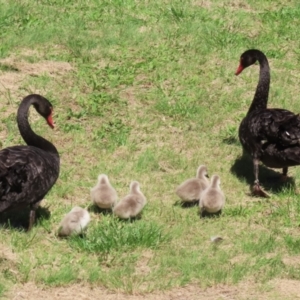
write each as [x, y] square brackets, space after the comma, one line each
[212, 200]
[103, 194]
[74, 222]
[190, 190]
[132, 204]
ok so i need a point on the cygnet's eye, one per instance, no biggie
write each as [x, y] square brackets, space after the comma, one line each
[287, 133]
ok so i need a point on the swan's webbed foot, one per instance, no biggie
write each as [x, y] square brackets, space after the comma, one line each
[257, 191]
[284, 177]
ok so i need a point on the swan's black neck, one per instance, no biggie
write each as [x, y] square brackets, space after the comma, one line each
[31, 138]
[260, 99]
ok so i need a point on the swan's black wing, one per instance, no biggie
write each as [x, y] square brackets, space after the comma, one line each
[278, 156]
[272, 135]
[289, 131]
[26, 175]
[270, 124]
[262, 127]
[280, 127]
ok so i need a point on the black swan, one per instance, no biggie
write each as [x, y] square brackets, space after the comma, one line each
[271, 136]
[27, 173]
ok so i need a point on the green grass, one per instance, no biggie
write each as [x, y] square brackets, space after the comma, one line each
[145, 90]
[111, 235]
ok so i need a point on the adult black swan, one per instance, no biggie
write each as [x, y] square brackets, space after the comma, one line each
[271, 136]
[27, 173]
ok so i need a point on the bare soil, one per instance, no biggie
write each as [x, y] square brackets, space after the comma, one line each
[18, 71]
[11, 80]
[276, 289]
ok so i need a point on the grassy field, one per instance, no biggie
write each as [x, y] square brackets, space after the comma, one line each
[145, 90]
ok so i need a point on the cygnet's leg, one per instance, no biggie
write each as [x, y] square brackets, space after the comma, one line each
[202, 212]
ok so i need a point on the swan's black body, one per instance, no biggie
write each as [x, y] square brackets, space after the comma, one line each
[27, 173]
[268, 135]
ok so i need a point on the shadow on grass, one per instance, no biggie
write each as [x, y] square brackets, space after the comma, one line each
[268, 178]
[19, 218]
[208, 215]
[186, 204]
[82, 235]
[130, 220]
[231, 140]
[97, 210]
[107, 211]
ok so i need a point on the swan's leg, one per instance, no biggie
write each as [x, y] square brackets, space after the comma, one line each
[31, 218]
[256, 189]
[255, 165]
[33, 209]
[284, 176]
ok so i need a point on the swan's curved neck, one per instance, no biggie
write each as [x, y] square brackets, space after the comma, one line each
[260, 99]
[31, 138]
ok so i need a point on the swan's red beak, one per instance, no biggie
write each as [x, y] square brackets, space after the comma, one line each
[239, 69]
[50, 120]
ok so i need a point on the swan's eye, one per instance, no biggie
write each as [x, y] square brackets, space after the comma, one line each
[287, 134]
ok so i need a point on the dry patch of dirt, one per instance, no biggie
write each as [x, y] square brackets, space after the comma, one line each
[276, 289]
[129, 95]
[7, 254]
[51, 68]
[10, 81]
[8, 260]
[142, 266]
[239, 5]
[286, 288]
[202, 3]
[143, 29]
[291, 260]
